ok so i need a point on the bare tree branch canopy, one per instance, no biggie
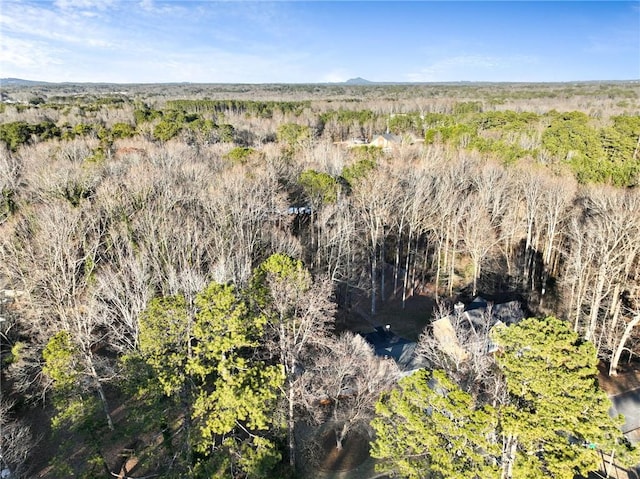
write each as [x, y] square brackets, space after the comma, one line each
[329, 210]
[340, 387]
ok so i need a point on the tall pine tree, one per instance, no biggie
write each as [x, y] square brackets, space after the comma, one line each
[552, 425]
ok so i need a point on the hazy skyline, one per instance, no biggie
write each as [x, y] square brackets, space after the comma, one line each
[150, 41]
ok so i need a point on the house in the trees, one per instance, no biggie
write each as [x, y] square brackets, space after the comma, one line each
[387, 344]
[480, 313]
[624, 392]
[445, 334]
[480, 310]
[386, 141]
[299, 210]
[477, 317]
[352, 142]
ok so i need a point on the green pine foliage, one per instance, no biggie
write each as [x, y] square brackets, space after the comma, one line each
[60, 358]
[15, 134]
[201, 362]
[555, 405]
[241, 155]
[595, 154]
[361, 168]
[320, 188]
[406, 123]
[293, 135]
[168, 127]
[284, 269]
[261, 109]
[164, 339]
[122, 130]
[144, 113]
[430, 428]
[553, 414]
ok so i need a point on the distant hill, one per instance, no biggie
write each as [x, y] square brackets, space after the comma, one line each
[358, 81]
[20, 82]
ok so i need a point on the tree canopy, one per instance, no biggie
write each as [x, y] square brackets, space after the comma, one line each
[553, 420]
[202, 353]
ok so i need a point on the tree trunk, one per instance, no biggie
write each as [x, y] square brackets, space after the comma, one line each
[476, 275]
[452, 270]
[312, 237]
[374, 268]
[578, 303]
[509, 457]
[527, 249]
[613, 368]
[613, 312]
[532, 261]
[383, 275]
[101, 394]
[425, 260]
[406, 273]
[438, 268]
[105, 406]
[412, 282]
[340, 435]
[396, 268]
[292, 425]
[595, 304]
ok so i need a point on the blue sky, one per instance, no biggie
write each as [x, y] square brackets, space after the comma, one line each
[129, 41]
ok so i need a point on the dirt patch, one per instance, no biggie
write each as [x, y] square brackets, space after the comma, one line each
[628, 377]
[407, 322]
[355, 450]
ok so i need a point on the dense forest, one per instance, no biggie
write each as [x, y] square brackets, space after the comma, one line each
[184, 270]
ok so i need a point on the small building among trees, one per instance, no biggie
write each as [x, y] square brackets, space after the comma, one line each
[387, 344]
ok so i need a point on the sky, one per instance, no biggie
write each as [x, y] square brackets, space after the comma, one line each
[153, 41]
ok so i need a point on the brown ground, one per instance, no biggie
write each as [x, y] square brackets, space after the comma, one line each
[353, 461]
[355, 450]
[407, 323]
[628, 377]
[116, 454]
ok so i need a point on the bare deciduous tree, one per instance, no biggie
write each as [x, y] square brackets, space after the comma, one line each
[16, 443]
[54, 256]
[344, 382]
[461, 345]
[300, 318]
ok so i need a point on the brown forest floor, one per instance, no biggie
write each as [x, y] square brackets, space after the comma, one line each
[354, 452]
[628, 377]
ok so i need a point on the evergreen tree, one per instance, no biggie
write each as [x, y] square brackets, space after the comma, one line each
[202, 356]
[556, 409]
[552, 425]
[430, 428]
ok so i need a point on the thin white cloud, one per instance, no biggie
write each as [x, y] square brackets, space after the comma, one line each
[28, 56]
[84, 4]
[467, 67]
[39, 23]
[40, 62]
[336, 76]
[152, 7]
[220, 66]
[145, 41]
[147, 5]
